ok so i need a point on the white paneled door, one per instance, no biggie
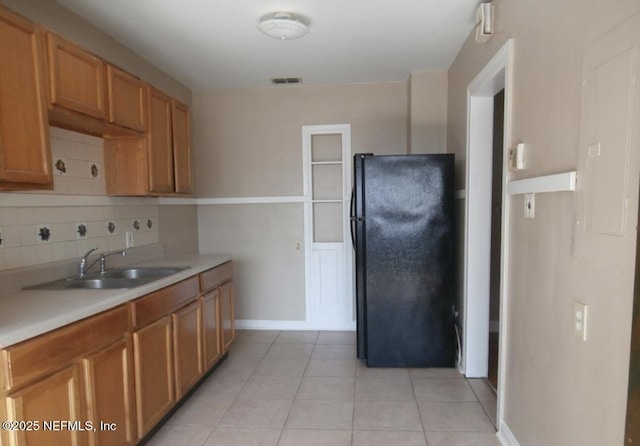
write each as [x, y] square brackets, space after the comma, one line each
[328, 249]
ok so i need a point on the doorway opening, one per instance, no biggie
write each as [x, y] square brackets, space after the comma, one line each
[480, 173]
[496, 238]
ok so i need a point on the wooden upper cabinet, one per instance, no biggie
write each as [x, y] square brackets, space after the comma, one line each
[161, 163]
[160, 142]
[76, 78]
[126, 99]
[181, 147]
[25, 157]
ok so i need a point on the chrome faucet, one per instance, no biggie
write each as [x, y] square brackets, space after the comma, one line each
[103, 262]
[83, 268]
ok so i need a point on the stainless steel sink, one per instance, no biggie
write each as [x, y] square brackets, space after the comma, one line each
[103, 284]
[112, 279]
[143, 272]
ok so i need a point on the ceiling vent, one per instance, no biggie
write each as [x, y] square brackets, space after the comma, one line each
[286, 80]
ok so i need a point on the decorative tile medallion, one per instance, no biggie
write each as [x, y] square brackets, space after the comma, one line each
[61, 166]
[95, 171]
[149, 223]
[111, 227]
[81, 230]
[44, 233]
[136, 225]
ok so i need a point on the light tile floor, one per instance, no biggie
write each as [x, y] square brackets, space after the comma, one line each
[294, 388]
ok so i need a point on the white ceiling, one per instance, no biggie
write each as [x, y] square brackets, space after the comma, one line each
[209, 44]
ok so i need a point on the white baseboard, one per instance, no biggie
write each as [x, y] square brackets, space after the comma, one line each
[253, 324]
[505, 436]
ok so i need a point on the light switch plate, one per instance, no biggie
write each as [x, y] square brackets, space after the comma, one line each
[128, 239]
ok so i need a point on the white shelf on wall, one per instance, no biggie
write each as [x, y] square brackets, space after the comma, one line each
[560, 182]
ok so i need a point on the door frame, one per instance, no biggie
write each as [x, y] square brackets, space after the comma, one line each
[348, 322]
[496, 75]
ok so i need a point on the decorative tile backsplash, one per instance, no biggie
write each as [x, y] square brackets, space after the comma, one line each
[78, 163]
[35, 235]
[32, 236]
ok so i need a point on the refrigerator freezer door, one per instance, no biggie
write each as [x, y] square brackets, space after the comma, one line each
[406, 260]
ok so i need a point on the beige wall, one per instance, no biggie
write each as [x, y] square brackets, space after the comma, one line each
[559, 390]
[249, 141]
[179, 228]
[268, 270]
[249, 144]
[427, 123]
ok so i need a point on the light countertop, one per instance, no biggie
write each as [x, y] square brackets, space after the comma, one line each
[28, 313]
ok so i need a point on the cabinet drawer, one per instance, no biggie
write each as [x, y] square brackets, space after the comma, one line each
[214, 277]
[51, 351]
[155, 305]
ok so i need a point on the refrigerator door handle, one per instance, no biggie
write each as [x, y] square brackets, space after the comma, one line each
[352, 217]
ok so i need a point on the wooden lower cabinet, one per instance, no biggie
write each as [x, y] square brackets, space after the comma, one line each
[154, 373]
[119, 372]
[58, 398]
[227, 314]
[108, 380]
[211, 343]
[187, 346]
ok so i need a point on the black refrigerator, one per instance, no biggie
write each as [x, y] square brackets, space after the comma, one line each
[403, 234]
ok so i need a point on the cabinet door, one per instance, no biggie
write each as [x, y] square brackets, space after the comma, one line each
[226, 310]
[56, 398]
[212, 349]
[187, 346]
[24, 131]
[76, 78]
[154, 380]
[159, 142]
[181, 147]
[108, 378]
[127, 99]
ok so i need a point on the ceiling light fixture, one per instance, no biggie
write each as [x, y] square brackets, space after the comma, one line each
[283, 26]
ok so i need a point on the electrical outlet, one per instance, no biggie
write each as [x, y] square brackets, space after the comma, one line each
[580, 320]
[529, 205]
[129, 239]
